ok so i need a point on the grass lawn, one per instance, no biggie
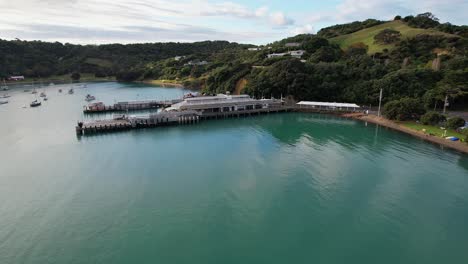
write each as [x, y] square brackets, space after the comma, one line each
[434, 130]
[366, 36]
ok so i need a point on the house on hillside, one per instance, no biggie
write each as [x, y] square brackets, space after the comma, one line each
[254, 49]
[178, 58]
[293, 44]
[276, 55]
[295, 53]
[198, 63]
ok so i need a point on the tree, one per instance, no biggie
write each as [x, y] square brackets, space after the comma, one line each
[397, 17]
[326, 54]
[424, 20]
[455, 122]
[75, 76]
[387, 36]
[357, 49]
[432, 118]
[403, 109]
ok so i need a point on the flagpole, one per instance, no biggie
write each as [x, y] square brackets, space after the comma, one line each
[380, 102]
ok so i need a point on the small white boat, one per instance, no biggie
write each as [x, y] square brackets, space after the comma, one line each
[34, 91]
[35, 103]
[51, 84]
[90, 98]
[5, 96]
[43, 94]
[45, 99]
[4, 86]
[71, 91]
[3, 102]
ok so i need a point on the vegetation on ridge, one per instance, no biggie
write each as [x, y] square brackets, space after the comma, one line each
[350, 62]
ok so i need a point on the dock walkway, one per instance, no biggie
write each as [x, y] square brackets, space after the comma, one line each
[166, 118]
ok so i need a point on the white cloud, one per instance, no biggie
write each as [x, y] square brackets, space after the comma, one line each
[33, 19]
[363, 9]
[280, 19]
[262, 11]
[305, 29]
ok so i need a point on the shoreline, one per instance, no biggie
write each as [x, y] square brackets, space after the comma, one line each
[163, 83]
[454, 145]
[46, 81]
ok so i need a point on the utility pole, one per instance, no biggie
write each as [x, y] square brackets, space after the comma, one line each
[380, 102]
[446, 103]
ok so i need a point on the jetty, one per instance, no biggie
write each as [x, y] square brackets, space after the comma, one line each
[100, 107]
[188, 111]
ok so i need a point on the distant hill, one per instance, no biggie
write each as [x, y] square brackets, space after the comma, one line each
[412, 57]
[366, 35]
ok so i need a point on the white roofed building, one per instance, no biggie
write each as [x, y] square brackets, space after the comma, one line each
[293, 44]
[224, 103]
[328, 106]
[295, 53]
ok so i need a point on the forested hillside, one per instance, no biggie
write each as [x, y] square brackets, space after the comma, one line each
[415, 57]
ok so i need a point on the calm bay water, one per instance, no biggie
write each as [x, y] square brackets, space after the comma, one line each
[281, 188]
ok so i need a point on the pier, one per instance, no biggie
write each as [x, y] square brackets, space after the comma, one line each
[100, 107]
[193, 110]
[187, 111]
[185, 117]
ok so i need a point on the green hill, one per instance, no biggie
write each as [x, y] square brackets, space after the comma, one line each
[366, 36]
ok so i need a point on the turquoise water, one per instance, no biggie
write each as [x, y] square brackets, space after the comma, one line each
[280, 188]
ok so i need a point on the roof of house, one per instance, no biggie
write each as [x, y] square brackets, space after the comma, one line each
[219, 99]
[328, 104]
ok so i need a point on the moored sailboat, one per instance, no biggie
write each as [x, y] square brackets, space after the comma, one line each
[4, 86]
[35, 103]
[89, 98]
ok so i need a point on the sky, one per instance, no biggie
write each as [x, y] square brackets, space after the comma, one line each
[243, 21]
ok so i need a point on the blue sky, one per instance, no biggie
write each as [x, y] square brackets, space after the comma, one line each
[257, 22]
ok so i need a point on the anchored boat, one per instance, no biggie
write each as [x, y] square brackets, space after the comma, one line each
[4, 86]
[89, 98]
[35, 103]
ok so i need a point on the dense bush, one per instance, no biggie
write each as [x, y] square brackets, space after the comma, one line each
[387, 36]
[465, 133]
[424, 20]
[403, 109]
[337, 30]
[76, 76]
[128, 76]
[432, 118]
[455, 122]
